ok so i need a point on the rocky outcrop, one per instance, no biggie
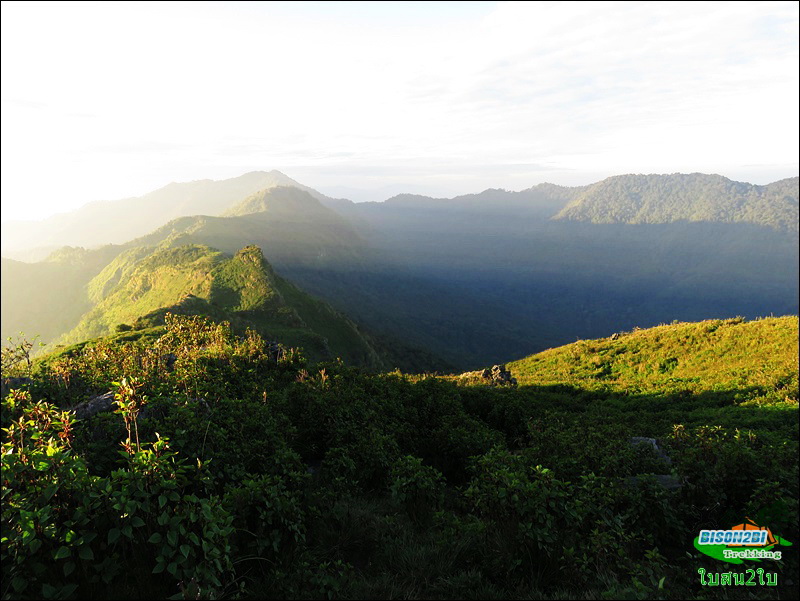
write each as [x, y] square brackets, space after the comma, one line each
[667, 481]
[651, 442]
[98, 404]
[499, 376]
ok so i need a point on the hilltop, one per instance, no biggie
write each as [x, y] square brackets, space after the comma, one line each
[142, 284]
[291, 225]
[686, 197]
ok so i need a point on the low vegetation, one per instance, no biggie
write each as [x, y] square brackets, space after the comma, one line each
[233, 468]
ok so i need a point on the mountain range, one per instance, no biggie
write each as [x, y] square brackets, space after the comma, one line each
[113, 222]
[462, 282]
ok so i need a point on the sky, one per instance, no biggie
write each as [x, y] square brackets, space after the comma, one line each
[366, 100]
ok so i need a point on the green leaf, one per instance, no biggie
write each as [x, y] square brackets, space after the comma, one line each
[137, 522]
[48, 591]
[155, 538]
[113, 535]
[172, 538]
[159, 566]
[89, 537]
[86, 553]
[172, 568]
[162, 500]
[49, 492]
[185, 550]
[34, 545]
[61, 553]
[69, 567]
[19, 583]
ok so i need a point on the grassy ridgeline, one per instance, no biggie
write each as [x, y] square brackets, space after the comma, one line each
[757, 358]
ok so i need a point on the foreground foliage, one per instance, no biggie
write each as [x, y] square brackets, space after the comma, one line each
[233, 469]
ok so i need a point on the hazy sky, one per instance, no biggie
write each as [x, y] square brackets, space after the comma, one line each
[107, 100]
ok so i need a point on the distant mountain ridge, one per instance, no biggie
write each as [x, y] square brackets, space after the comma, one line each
[631, 199]
[117, 221]
[637, 199]
[285, 201]
[479, 277]
[289, 224]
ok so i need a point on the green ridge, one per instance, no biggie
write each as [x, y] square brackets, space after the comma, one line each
[143, 284]
[758, 358]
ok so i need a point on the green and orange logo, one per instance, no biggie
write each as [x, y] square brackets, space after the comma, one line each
[744, 542]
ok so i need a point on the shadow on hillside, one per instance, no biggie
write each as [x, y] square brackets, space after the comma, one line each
[652, 413]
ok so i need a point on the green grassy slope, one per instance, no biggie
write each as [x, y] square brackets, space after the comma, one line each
[142, 284]
[49, 298]
[160, 279]
[758, 359]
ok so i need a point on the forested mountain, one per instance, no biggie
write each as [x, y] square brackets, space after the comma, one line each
[640, 199]
[483, 277]
[523, 277]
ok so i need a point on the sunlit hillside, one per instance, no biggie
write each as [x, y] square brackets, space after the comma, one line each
[755, 361]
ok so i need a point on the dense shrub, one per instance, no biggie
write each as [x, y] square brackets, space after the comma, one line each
[229, 470]
[416, 488]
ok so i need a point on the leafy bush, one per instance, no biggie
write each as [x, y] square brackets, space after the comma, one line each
[66, 531]
[416, 488]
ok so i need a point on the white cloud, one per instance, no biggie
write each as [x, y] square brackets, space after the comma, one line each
[110, 100]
